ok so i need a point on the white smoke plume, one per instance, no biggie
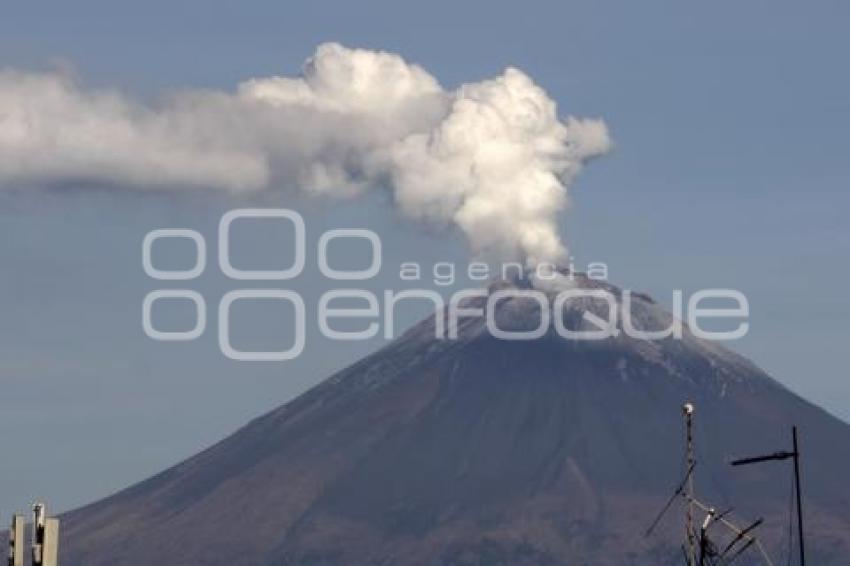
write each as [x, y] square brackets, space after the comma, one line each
[490, 157]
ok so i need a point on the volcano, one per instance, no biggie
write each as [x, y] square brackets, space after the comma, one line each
[486, 451]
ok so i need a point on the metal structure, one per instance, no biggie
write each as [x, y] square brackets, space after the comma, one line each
[699, 548]
[784, 455]
[688, 411]
[39, 522]
[45, 537]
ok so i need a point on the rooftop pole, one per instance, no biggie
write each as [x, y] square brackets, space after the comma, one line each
[799, 497]
[784, 455]
[688, 411]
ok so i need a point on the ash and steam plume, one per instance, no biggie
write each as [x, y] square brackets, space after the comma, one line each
[491, 157]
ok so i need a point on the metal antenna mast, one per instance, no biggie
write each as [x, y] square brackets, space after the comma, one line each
[688, 411]
[701, 550]
[784, 455]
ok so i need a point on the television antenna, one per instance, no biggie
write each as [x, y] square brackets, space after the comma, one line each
[699, 549]
[785, 455]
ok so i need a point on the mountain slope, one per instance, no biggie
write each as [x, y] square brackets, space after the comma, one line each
[485, 451]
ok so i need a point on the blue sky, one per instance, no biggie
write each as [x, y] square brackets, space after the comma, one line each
[729, 122]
